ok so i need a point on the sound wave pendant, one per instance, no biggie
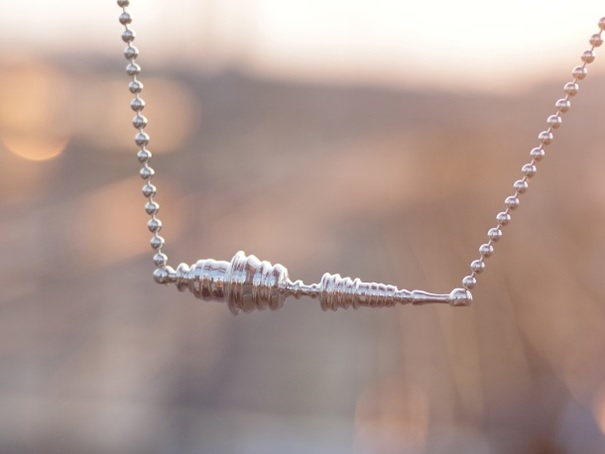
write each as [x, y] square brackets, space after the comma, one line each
[246, 284]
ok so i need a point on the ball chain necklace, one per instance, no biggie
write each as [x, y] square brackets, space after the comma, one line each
[246, 283]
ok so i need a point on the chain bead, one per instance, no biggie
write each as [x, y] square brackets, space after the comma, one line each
[596, 40]
[152, 208]
[537, 154]
[477, 266]
[162, 275]
[141, 139]
[123, 3]
[139, 121]
[128, 35]
[154, 225]
[160, 259]
[143, 156]
[588, 56]
[494, 234]
[149, 190]
[602, 23]
[125, 18]
[469, 282]
[132, 69]
[131, 52]
[137, 104]
[521, 186]
[554, 121]
[571, 88]
[146, 172]
[157, 242]
[512, 202]
[486, 250]
[529, 170]
[579, 72]
[503, 218]
[135, 87]
[545, 137]
[563, 105]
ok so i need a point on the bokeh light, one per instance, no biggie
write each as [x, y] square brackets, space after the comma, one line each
[33, 105]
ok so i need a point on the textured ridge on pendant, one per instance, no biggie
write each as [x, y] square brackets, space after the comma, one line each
[247, 283]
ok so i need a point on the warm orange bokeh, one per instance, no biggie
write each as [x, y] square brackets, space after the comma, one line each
[34, 103]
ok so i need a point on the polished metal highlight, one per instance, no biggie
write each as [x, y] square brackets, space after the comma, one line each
[246, 284]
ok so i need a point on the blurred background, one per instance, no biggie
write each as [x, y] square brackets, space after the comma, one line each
[376, 139]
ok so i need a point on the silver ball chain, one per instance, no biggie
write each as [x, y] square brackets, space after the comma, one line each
[164, 273]
[141, 139]
[529, 169]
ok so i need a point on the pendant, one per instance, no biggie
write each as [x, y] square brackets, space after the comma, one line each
[246, 284]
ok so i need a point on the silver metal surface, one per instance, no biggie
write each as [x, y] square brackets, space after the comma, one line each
[246, 284]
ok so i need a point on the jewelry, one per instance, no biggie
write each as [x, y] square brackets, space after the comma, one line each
[246, 283]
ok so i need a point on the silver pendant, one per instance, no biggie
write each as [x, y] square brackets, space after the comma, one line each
[246, 283]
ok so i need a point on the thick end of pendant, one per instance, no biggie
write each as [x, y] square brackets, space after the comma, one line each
[245, 283]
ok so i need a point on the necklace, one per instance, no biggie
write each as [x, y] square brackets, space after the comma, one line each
[245, 283]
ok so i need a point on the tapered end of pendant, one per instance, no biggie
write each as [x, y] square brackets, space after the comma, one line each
[460, 297]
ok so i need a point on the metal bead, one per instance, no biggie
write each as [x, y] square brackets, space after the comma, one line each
[503, 218]
[125, 18]
[588, 56]
[152, 208]
[554, 121]
[141, 139]
[602, 23]
[494, 234]
[477, 266]
[571, 88]
[132, 69]
[149, 190]
[563, 105]
[139, 121]
[469, 282]
[146, 172]
[545, 137]
[131, 52]
[537, 154]
[137, 104]
[160, 259]
[486, 250]
[529, 170]
[596, 40]
[136, 86]
[579, 72]
[161, 275]
[128, 35]
[143, 156]
[154, 225]
[157, 242]
[512, 202]
[123, 3]
[520, 186]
